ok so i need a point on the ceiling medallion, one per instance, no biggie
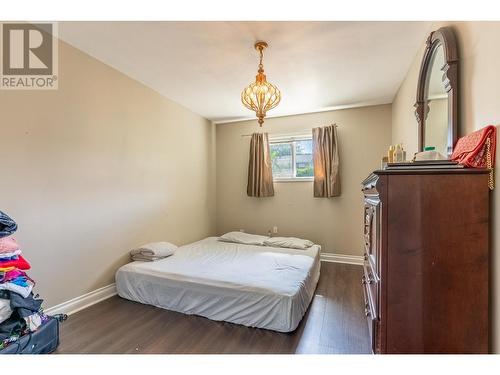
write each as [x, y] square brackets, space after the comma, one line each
[260, 96]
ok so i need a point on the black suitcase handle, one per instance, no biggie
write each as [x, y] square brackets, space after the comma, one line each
[60, 317]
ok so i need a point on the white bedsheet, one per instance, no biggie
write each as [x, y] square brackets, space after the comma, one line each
[256, 286]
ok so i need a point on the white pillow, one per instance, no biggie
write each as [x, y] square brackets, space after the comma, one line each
[155, 249]
[289, 242]
[244, 238]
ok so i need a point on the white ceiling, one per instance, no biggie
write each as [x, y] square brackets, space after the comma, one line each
[205, 65]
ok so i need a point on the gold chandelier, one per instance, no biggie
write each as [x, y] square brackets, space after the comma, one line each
[260, 96]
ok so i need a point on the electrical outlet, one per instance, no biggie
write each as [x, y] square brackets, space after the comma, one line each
[275, 229]
[242, 230]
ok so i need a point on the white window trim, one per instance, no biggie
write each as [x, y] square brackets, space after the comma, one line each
[293, 179]
[284, 138]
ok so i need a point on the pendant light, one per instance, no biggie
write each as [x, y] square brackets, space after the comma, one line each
[260, 96]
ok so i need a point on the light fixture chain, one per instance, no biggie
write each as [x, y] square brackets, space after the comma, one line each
[261, 66]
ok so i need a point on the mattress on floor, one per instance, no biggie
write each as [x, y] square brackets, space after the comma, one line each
[257, 286]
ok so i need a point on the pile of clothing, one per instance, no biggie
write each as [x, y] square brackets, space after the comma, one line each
[20, 311]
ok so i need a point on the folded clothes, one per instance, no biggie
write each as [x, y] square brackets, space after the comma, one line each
[11, 254]
[20, 263]
[8, 245]
[7, 225]
[23, 291]
[4, 258]
[20, 311]
[21, 281]
[14, 274]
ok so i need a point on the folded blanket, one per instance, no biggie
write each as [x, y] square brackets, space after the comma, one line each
[7, 225]
[8, 245]
[155, 250]
[20, 263]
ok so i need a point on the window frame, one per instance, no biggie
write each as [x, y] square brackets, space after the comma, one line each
[291, 139]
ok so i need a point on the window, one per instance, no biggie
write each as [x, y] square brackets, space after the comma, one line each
[292, 158]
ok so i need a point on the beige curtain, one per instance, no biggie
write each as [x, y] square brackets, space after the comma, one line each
[260, 173]
[326, 162]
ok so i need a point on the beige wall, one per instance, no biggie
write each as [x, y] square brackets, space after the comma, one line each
[97, 167]
[404, 124]
[479, 106]
[335, 223]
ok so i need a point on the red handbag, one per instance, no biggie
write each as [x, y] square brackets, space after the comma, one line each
[477, 150]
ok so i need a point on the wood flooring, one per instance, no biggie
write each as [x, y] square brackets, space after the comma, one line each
[334, 323]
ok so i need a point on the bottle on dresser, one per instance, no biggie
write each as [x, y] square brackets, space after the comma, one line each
[396, 154]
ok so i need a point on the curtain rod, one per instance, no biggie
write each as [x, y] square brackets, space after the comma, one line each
[285, 134]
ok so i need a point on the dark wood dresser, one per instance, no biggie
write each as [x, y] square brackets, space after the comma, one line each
[426, 268]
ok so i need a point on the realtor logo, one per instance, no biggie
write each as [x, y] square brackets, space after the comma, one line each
[29, 56]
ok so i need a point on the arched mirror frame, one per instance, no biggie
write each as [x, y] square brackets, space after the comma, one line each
[445, 37]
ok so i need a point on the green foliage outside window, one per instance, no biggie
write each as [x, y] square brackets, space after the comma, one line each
[305, 172]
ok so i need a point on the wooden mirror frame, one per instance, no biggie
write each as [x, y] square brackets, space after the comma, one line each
[445, 37]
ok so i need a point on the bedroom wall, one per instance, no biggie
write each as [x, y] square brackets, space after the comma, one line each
[335, 223]
[479, 106]
[96, 167]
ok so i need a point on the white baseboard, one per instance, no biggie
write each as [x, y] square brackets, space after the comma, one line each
[83, 301]
[341, 258]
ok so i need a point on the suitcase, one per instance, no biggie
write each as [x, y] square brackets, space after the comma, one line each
[43, 341]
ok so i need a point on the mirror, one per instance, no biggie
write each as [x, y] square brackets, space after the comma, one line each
[437, 94]
[436, 123]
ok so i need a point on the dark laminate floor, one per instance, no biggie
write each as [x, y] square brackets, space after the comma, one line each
[334, 323]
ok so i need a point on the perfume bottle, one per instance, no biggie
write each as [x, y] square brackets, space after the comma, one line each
[398, 154]
[390, 154]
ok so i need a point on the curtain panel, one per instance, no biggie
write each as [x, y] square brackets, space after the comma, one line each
[260, 172]
[326, 162]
